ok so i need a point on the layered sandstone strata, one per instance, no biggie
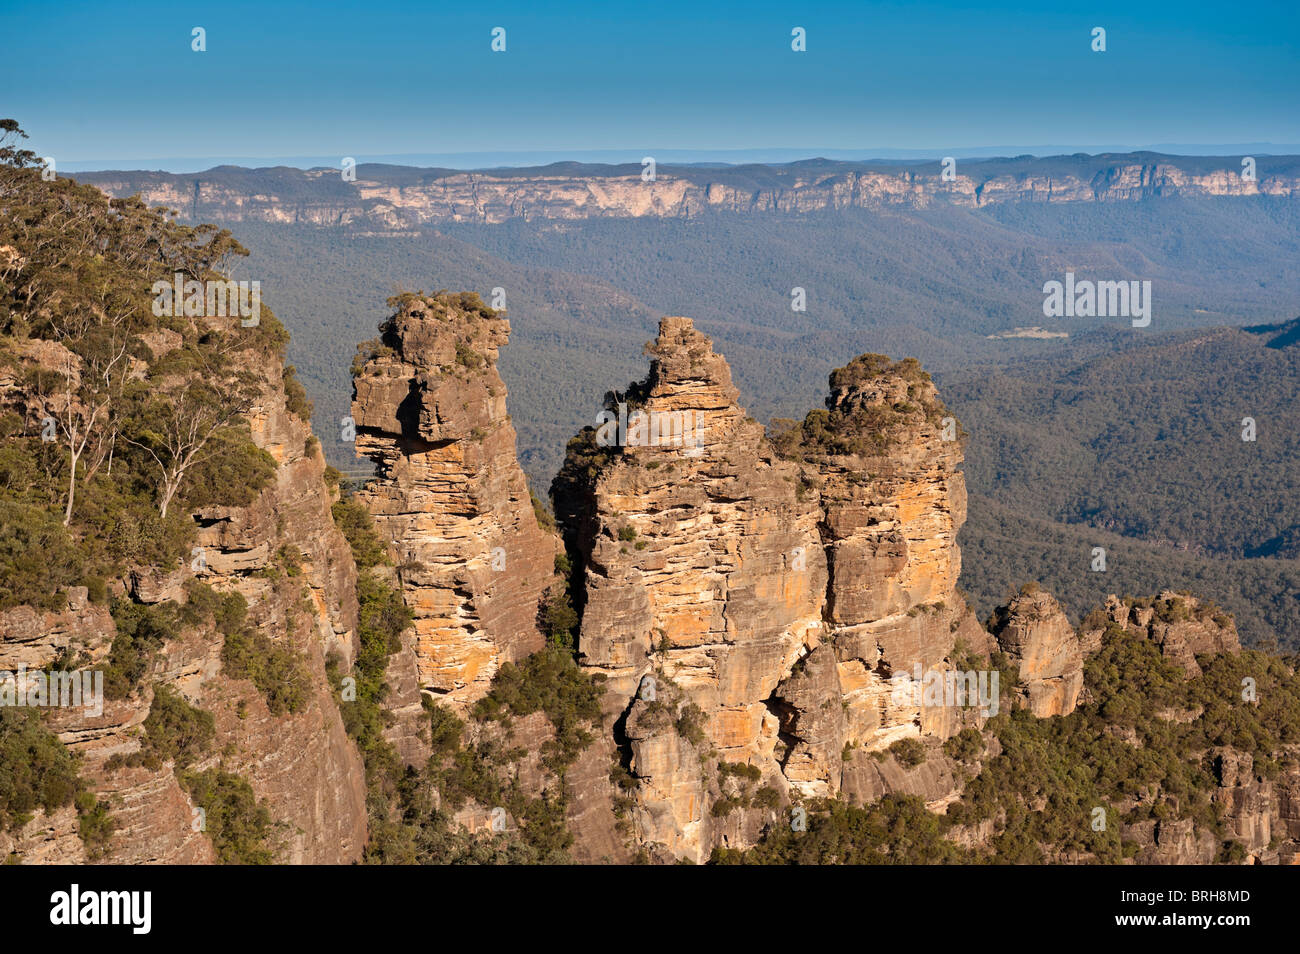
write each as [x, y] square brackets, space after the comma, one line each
[300, 765]
[703, 571]
[1039, 641]
[884, 458]
[451, 501]
[778, 607]
[375, 199]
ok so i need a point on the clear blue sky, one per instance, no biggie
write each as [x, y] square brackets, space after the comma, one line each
[369, 77]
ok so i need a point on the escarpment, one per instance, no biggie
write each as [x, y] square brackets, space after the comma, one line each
[379, 197]
[451, 502]
[786, 604]
[279, 577]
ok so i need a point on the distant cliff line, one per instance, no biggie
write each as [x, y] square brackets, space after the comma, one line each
[402, 197]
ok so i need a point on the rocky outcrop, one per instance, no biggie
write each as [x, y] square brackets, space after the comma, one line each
[451, 502]
[284, 555]
[790, 595]
[381, 198]
[883, 459]
[1181, 626]
[702, 566]
[1036, 635]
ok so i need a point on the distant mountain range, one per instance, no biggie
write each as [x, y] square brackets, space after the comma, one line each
[397, 197]
[697, 157]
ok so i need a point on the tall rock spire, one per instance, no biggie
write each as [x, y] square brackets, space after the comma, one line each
[451, 501]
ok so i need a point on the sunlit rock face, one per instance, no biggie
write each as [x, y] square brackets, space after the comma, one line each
[775, 590]
[451, 501]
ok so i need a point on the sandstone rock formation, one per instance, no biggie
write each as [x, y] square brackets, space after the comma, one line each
[1179, 624]
[376, 199]
[1039, 641]
[883, 458]
[774, 597]
[451, 501]
[301, 765]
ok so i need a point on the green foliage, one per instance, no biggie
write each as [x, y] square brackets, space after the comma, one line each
[237, 823]
[36, 771]
[895, 830]
[547, 681]
[142, 629]
[909, 753]
[296, 401]
[445, 728]
[231, 475]
[382, 619]
[1136, 450]
[559, 619]
[272, 665]
[38, 559]
[176, 730]
[95, 824]
[966, 746]
[354, 520]
[690, 724]
[158, 426]
[406, 829]
[545, 519]
[1052, 773]
[467, 357]
[741, 770]
[862, 429]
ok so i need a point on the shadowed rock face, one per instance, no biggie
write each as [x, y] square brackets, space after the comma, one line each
[451, 502]
[778, 593]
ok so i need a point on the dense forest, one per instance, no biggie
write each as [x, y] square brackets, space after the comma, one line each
[1111, 430]
[1141, 452]
[582, 297]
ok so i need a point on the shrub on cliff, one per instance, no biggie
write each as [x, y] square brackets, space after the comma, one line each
[355, 521]
[141, 632]
[272, 665]
[238, 824]
[176, 730]
[547, 681]
[898, 829]
[38, 772]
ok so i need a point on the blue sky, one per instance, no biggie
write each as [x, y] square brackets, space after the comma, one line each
[102, 80]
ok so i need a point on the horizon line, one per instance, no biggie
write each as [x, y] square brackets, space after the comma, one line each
[486, 160]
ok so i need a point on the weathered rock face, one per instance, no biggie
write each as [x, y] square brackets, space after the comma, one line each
[301, 765]
[1037, 636]
[451, 501]
[884, 459]
[1179, 624]
[310, 197]
[703, 566]
[776, 596]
